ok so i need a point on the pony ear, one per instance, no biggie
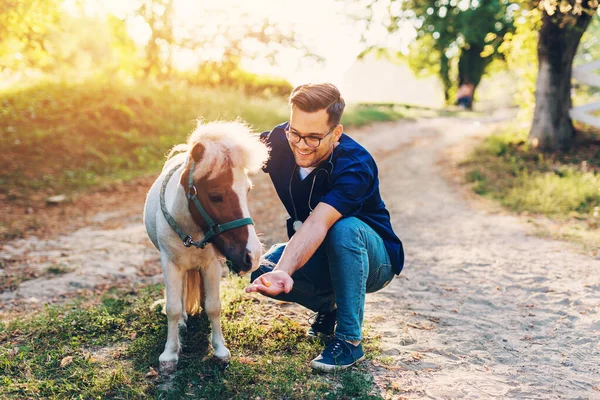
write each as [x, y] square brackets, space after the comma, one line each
[198, 152]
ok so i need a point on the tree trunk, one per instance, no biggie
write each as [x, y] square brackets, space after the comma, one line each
[471, 65]
[552, 128]
[445, 74]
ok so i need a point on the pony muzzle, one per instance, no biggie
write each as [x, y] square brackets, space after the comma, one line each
[243, 263]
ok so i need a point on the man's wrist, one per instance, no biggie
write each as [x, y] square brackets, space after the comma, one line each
[283, 268]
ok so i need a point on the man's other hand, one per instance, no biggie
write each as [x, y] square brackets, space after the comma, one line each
[272, 283]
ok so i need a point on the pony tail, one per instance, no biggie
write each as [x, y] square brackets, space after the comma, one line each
[180, 148]
[193, 293]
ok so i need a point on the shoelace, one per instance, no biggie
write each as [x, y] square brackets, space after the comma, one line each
[317, 318]
[336, 347]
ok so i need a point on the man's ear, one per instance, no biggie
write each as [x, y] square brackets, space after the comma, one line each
[198, 152]
[338, 132]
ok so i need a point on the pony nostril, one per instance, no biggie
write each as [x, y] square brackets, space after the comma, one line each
[248, 259]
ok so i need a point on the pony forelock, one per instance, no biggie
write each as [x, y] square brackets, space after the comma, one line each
[227, 143]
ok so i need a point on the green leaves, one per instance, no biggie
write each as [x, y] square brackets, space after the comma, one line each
[451, 34]
[25, 28]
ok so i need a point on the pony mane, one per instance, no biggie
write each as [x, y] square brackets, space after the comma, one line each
[226, 144]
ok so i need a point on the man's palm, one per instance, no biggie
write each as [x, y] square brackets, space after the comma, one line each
[272, 283]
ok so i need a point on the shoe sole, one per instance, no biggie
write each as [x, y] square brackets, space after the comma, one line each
[328, 368]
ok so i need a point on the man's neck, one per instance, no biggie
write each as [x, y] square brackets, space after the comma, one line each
[305, 171]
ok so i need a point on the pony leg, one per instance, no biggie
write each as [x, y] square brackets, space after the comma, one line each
[211, 278]
[184, 316]
[174, 288]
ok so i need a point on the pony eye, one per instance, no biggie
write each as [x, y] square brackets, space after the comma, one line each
[215, 197]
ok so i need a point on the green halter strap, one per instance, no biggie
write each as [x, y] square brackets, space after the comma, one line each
[192, 196]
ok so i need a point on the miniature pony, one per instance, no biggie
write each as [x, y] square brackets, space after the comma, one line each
[196, 214]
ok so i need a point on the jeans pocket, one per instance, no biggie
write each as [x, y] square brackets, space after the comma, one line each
[380, 278]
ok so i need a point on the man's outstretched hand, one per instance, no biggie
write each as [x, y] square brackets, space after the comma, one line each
[272, 283]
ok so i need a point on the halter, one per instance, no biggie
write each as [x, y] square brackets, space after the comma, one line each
[192, 196]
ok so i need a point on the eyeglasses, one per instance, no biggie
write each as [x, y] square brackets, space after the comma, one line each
[311, 141]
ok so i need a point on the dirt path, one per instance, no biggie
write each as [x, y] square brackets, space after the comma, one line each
[481, 310]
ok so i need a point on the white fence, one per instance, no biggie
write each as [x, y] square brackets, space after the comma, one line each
[585, 74]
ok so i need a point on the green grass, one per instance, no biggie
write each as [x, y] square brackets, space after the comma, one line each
[58, 269]
[563, 186]
[358, 116]
[107, 350]
[58, 138]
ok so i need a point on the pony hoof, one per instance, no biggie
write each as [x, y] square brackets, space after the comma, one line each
[223, 357]
[167, 367]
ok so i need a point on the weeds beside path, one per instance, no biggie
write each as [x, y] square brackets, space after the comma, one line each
[559, 192]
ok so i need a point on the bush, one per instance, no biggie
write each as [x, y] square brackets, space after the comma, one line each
[218, 75]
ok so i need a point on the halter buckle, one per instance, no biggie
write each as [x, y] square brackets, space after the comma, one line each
[188, 241]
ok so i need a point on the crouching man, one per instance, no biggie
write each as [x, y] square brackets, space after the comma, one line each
[342, 244]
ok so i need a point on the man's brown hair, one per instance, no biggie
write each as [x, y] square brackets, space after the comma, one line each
[318, 96]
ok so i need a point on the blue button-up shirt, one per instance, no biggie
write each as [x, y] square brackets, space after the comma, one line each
[347, 181]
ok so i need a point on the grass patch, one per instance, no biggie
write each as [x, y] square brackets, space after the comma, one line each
[109, 350]
[58, 138]
[562, 186]
[58, 269]
[357, 116]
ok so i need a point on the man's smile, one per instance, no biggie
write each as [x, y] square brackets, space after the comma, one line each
[302, 153]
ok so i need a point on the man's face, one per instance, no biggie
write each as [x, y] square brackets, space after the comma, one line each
[312, 125]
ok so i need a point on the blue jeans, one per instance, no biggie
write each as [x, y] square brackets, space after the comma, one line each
[351, 261]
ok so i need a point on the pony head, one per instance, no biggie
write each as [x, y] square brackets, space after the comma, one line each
[224, 153]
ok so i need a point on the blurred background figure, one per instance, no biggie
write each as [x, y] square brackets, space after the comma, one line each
[464, 96]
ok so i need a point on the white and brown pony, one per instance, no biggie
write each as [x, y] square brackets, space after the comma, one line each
[196, 214]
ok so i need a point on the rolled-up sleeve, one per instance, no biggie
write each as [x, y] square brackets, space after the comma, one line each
[350, 188]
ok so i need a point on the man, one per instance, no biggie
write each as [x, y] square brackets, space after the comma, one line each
[342, 245]
[464, 96]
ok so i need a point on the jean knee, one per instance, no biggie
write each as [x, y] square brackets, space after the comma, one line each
[263, 269]
[269, 260]
[345, 231]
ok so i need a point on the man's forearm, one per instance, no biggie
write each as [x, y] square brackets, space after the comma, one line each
[302, 246]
